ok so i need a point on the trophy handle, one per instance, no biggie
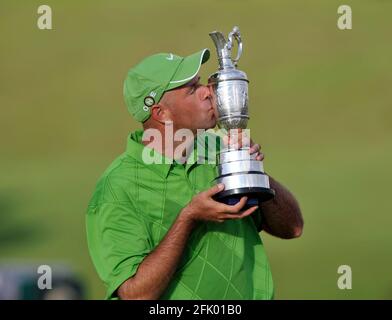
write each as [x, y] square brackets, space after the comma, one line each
[237, 35]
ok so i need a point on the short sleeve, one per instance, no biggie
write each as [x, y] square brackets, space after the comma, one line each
[118, 242]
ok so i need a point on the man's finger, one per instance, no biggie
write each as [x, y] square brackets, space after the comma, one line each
[254, 148]
[240, 140]
[225, 140]
[234, 146]
[236, 139]
[248, 212]
[237, 207]
[242, 215]
[215, 189]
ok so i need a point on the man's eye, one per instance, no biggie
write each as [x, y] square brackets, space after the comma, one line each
[195, 87]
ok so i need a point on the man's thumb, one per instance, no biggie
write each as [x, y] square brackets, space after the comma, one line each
[215, 189]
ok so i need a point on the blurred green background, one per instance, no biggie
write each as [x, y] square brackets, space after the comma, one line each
[320, 102]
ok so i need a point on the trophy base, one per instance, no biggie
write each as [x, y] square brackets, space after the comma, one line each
[256, 195]
[242, 175]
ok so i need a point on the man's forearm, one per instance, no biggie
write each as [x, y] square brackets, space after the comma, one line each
[157, 269]
[282, 216]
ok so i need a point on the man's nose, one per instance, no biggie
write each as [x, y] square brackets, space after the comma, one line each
[205, 92]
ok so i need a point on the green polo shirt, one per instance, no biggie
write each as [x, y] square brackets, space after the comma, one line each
[135, 204]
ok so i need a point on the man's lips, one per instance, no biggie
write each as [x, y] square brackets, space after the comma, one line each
[212, 112]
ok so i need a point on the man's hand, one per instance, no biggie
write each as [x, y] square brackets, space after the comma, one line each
[204, 208]
[237, 139]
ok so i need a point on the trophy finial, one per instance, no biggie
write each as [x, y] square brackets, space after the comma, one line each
[224, 47]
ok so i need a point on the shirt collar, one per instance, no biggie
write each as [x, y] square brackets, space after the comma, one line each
[135, 149]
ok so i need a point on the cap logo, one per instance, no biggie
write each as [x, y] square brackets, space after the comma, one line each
[149, 101]
[170, 57]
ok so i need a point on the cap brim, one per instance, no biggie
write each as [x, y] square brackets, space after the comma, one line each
[188, 69]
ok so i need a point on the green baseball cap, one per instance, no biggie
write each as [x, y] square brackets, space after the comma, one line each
[146, 82]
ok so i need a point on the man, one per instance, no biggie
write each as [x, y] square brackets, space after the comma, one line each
[154, 230]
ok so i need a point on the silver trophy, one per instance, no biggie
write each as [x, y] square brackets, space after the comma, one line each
[240, 172]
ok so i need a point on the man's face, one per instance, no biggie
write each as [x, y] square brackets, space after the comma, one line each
[191, 106]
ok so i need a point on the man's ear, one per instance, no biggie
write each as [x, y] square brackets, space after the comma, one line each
[160, 113]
